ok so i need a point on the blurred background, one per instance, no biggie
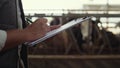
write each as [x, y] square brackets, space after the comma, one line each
[92, 44]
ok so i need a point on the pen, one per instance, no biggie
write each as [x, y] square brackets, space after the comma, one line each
[29, 21]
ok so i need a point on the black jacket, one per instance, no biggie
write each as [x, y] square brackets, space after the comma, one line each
[8, 21]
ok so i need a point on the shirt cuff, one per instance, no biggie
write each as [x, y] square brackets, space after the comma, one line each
[3, 37]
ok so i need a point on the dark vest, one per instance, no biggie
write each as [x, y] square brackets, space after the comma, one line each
[8, 21]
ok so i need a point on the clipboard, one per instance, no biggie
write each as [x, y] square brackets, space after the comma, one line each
[58, 30]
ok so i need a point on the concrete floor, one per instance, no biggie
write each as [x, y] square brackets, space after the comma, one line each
[74, 63]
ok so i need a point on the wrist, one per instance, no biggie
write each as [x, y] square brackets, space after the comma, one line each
[28, 35]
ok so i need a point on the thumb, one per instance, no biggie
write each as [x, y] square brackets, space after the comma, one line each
[54, 27]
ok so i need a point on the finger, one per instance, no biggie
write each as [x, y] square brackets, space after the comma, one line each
[47, 28]
[54, 27]
[41, 20]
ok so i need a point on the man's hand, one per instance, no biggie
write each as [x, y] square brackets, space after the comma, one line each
[38, 29]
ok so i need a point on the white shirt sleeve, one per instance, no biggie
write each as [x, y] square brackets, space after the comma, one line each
[3, 37]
